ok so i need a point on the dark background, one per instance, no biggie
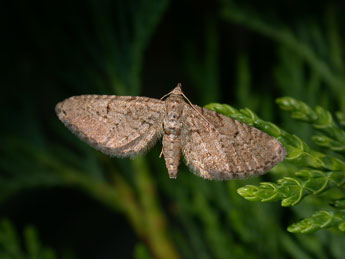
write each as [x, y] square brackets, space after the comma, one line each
[56, 49]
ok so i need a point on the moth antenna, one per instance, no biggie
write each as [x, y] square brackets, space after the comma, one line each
[190, 103]
[166, 95]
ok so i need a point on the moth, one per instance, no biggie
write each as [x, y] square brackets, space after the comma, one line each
[214, 146]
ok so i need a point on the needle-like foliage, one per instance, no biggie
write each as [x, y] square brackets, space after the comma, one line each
[315, 172]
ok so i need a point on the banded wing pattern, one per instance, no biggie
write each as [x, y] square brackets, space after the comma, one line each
[218, 147]
[116, 125]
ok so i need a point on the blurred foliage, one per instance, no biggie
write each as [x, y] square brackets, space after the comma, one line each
[141, 252]
[11, 245]
[313, 44]
[104, 51]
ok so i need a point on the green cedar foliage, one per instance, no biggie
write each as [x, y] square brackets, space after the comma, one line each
[315, 171]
